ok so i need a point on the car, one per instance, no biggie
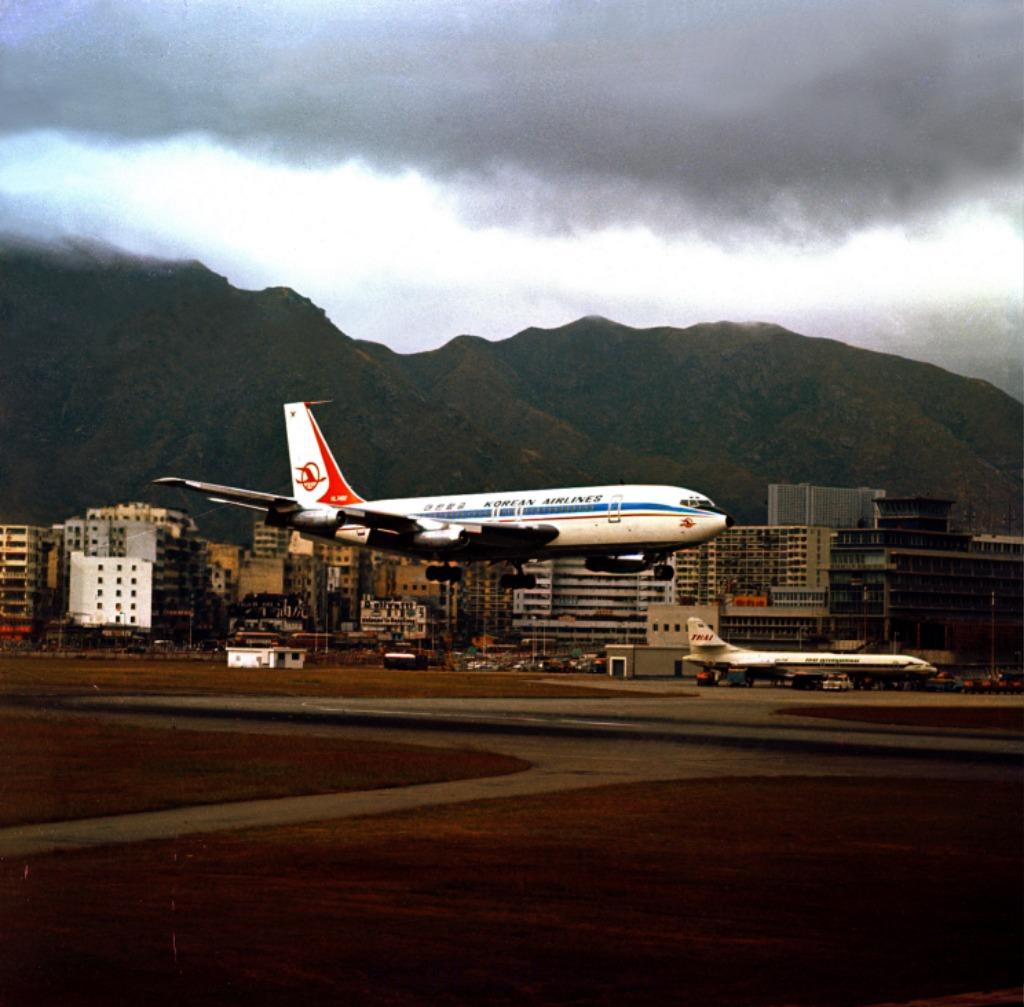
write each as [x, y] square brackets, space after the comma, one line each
[836, 682]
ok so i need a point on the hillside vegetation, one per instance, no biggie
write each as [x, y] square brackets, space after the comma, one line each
[120, 370]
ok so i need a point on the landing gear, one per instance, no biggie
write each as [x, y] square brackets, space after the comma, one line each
[664, 572]
[444, 574]
[518, 580]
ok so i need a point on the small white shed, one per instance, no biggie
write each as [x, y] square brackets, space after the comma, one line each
[266, 657]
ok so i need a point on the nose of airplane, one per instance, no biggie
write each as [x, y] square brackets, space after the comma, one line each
[729, 521]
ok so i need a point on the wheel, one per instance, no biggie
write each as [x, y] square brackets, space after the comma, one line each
[664, 572]
[435, 573]
[517, 581]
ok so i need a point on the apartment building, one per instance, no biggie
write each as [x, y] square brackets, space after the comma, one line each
[754, 560]
[27, 583]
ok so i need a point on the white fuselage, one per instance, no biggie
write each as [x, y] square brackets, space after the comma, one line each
[612, 519]
[804, 660]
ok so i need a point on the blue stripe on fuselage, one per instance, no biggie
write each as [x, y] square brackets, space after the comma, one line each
[560, 510]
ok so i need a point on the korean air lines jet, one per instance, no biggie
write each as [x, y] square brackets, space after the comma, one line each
[619, 529]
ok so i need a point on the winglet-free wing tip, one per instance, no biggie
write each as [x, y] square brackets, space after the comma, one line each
[169, 481]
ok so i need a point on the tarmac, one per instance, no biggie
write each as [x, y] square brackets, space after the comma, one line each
[659, 731]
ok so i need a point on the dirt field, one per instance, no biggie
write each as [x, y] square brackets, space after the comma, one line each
[79, 767]
[55, 676]
[728, 892]
[996, 718]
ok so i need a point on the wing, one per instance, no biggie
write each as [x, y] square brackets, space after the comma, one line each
[280, 508]
[482, 534]
[510, 536]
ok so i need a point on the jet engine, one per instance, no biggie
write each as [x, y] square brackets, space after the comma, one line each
[316, 521]
[442, 539]
[631, 563]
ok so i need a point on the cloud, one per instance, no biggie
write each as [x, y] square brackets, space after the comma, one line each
[393, 257]
[794, 119]
[420, 168]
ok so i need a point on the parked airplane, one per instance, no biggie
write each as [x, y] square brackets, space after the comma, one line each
[619, 529]
[711, 651]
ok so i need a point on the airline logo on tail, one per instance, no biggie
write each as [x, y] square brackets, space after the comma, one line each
[702, 635]
[309, 476]
[313, 465]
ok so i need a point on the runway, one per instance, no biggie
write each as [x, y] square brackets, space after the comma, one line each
[570, 744]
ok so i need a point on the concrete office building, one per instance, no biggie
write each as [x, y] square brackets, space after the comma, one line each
[573, 606]
[826, 506]
[913, 583]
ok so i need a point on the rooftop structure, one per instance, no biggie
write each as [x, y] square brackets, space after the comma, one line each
[825, 506]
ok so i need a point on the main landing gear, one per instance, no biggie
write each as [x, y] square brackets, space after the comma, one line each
[663, 571]
[518, 580]
[444, 574]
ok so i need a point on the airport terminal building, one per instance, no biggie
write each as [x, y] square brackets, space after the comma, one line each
[916, 584]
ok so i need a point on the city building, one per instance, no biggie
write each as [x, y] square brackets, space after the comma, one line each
[260, 575]
[394, 618]
[167, 538]
[769, 626]
[224, 564]
[275, 612]
[344, 571]
[754, 561]
[913, 583]
[110, 591]
[269, 542]
[485, 608]
[394, 576]
[305, 577]
[827, 506]
[572, 606]
[27, 581]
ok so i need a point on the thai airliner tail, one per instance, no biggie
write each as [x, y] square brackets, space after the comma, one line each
[703, 637]
[316, 479]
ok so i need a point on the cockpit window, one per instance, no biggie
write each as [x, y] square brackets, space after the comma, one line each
[696, 501]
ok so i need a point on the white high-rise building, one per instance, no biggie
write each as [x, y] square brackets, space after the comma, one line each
[164, 537]
[110, 591]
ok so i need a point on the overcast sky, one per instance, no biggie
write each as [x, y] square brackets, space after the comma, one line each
[424, 169]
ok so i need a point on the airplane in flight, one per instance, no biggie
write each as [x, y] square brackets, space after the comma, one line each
[619, 529]
[710, 651]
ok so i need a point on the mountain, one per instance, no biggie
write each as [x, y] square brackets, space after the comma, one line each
[119, 370]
